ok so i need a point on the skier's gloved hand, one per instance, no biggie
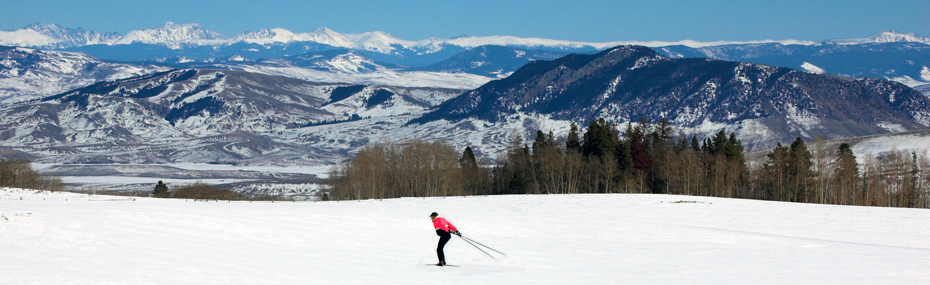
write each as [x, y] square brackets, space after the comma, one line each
[458, 233]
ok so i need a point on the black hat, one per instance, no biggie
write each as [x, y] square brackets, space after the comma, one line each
[433, 214]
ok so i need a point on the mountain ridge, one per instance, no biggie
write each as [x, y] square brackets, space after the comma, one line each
[762, 104]
[172, 34]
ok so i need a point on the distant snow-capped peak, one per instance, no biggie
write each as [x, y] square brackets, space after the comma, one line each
[174, 35]
[171, 33]
[349, 62]
[372, 41]
[267, 36]
[54, 35]
[887, 36]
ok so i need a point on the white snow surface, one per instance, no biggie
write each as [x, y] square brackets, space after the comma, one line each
[25, 38]
[909, 81]
[549, 239]
[812, 68]
[917, 142]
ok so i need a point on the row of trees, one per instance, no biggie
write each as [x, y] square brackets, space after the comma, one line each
[18, 173]
[833, 176]
[644, 158]
[413, 169]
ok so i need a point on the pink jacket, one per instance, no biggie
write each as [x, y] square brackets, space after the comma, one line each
[440, 223]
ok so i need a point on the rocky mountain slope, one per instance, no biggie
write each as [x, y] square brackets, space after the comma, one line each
[762, 104]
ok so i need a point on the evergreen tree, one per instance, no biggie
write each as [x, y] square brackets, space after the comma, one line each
[573, 142]
[544, 143]
[600, 140]
[846, 176]
[638, 150]
[540, 142]
[718, 143]
[641, 157]
[660, 151]
[624, 158]
[468, 161]
[663, 132]
[161, 190]
[695, 145]
[624, 154]
[733, 149]
[800, 172]
[472, 175]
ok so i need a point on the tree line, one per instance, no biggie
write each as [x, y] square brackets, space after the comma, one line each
[18, 173]
[644, 158]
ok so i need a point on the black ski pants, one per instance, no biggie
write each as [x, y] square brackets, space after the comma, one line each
[444, 237]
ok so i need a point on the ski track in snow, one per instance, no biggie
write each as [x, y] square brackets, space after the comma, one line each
[549, 239]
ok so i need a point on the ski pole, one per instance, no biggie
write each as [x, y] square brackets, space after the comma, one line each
[468, 239]
[485, 252]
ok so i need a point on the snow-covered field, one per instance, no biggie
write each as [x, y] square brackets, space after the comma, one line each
[551, 239]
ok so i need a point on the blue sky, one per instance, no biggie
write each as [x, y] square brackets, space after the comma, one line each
[706, 20]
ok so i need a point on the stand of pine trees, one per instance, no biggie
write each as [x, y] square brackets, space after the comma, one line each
[644, 158]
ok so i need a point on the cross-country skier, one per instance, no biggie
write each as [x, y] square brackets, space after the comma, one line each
[444, 230]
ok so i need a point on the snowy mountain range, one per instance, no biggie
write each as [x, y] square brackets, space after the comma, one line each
[251, 118]
[889, 54]
[182, 93]
[171, 34]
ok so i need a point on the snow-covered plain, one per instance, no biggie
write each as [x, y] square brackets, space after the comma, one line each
[549, 239]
